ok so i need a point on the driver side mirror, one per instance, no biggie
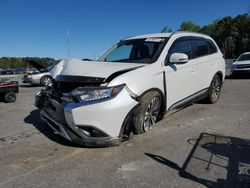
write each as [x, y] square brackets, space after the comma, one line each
[178, 58]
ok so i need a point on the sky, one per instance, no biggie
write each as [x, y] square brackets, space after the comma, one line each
[52, 28]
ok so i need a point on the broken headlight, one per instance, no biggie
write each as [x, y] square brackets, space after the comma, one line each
[92, 94]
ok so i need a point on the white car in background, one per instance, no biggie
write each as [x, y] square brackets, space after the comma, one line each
[129, 88]
[242, 65]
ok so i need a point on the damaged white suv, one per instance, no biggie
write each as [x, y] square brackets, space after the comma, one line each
[131, 86]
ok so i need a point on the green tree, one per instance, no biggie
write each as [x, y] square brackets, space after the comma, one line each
[231, 34]
[242, 39]
[13, 62]
[189, 26]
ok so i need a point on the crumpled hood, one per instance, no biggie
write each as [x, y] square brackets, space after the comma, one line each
[76, 67]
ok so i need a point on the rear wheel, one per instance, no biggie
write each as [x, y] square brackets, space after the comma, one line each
[148, 112]
[214, 90]
[10, 97]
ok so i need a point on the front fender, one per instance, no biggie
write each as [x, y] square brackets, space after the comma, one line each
[142, 79]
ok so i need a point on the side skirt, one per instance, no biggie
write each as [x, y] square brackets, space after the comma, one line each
[189, 100]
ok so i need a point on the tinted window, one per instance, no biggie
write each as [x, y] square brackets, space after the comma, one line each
[199, 48]
[244, 57]
[212, 48]
[181, 47]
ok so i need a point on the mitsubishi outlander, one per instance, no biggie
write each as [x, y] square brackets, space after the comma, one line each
[130, 87]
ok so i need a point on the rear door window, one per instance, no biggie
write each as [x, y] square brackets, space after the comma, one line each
[212, 48]
[199, 48]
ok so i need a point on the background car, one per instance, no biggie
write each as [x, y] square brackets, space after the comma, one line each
[241, 65]
[40, 76]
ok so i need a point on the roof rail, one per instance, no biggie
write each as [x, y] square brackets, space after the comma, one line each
[191, 32]
[126, 38]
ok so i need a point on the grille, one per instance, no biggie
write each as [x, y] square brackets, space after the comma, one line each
[243, 66]
[70, 86]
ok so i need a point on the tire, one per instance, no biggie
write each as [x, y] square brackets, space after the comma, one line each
[10, 97]
[232, 75]
[214, 90]
[147, 113]
[44, 80]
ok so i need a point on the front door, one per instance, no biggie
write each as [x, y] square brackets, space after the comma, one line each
[180, 78]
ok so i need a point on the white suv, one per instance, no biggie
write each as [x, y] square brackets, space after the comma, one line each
[131, 86]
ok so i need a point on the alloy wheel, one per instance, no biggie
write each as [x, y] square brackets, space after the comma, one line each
[151, 113]
[215, 90]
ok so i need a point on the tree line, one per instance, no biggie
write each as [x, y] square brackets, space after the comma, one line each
[231, 34]
[18, 62]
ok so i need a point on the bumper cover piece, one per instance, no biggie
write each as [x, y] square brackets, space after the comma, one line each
[92, 125]
[68, 134]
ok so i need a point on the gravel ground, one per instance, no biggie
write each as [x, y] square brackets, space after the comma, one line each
[200, 146]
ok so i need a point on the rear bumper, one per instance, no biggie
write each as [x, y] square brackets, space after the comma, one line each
[93, 125]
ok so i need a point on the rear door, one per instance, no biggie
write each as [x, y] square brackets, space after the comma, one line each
[204, 62]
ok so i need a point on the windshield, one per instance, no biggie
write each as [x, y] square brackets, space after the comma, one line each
[244, 57]
[145, 50]
[51, 66]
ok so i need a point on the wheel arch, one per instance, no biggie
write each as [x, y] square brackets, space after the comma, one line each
[163, 97]
[220, 74]
[127, 122]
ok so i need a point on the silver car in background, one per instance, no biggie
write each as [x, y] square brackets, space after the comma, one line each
[41, 77]
[241, 65]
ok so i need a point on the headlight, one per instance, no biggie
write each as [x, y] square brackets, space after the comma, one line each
[233, 66]
[92, 94]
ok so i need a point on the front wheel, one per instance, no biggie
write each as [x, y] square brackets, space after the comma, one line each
[45, 80]
[214, 90]
[148, 112]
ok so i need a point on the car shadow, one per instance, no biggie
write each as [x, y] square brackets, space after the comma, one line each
[1, 97]
[29, 85]
[237, 77]
[215, 161]
[34, 119]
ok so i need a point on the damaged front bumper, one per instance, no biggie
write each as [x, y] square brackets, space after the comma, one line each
[63, 130]
[95, 124]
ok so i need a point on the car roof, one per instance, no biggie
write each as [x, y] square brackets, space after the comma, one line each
[245, 53]
[152, 35]
[167, 35]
